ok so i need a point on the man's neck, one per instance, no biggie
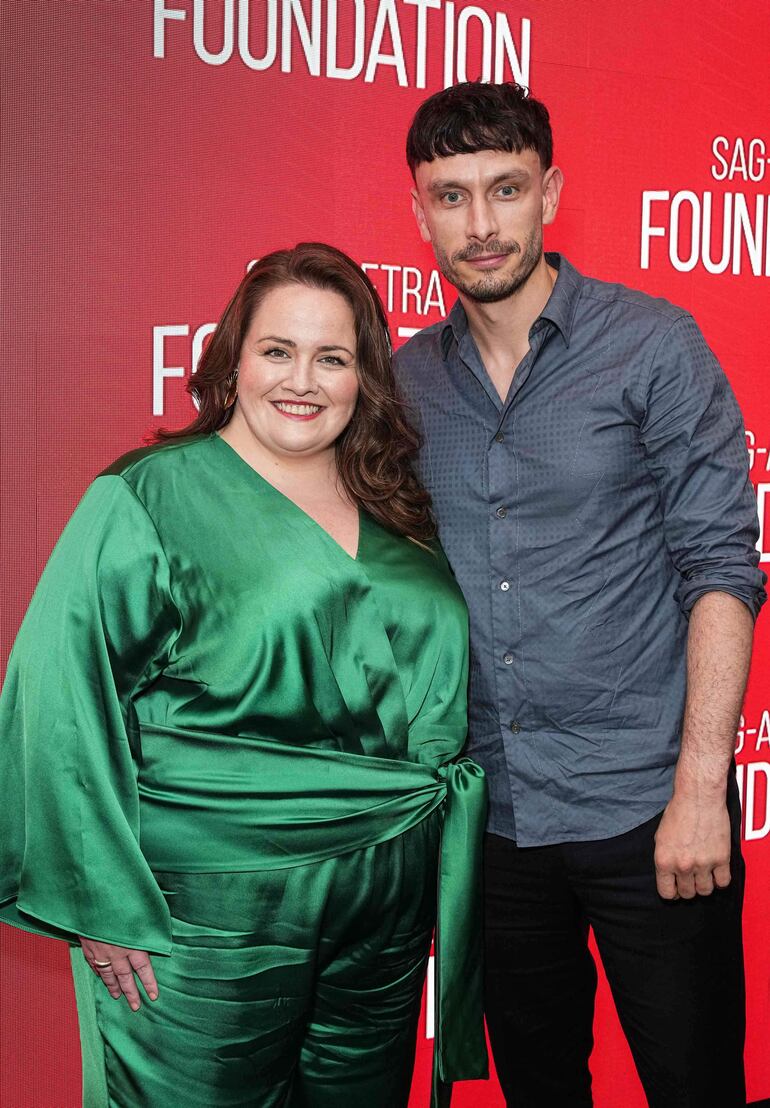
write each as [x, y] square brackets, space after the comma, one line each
[501, 330]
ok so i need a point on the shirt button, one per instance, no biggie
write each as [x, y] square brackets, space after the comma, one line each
[508, 659]
[499, 437]
[505, 585]
[501, 513]
[515, 726]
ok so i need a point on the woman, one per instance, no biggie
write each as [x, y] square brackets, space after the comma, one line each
[228, 728]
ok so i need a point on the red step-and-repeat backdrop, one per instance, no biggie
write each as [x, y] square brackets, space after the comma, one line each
[153, 148]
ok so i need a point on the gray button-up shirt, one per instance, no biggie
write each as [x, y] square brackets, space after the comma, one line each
[583, 517]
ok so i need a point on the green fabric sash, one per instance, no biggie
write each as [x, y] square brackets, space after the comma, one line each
[270, 805]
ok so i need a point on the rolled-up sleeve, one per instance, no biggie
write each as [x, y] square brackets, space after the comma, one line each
[693, 435]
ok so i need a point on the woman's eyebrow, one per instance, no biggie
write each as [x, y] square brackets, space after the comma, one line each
[326, 349]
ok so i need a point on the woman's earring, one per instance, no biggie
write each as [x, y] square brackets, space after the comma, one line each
[232, 389]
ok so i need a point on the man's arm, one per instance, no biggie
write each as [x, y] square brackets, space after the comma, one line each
[694, 440]
[692, 845]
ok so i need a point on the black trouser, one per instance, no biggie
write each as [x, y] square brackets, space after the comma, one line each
[675, 969]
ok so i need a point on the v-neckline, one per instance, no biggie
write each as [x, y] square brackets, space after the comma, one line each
[293, 504]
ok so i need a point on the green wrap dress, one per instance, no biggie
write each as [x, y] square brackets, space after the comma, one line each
[226, 742]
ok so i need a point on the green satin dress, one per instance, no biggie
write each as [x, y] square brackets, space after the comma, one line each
[228, 743]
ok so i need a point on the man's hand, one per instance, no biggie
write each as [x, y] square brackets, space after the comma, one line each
[692, 847]
[116, 965]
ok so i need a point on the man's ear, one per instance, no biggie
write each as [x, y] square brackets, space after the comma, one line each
[419, 215]
[553, 180]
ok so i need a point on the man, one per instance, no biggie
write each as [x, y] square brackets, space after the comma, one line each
[588, 469]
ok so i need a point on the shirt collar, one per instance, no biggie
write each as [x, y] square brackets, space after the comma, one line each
[559, 310]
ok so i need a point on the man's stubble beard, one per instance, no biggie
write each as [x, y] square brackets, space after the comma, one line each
[489, 288]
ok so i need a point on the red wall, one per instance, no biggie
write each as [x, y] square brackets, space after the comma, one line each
[142, 177]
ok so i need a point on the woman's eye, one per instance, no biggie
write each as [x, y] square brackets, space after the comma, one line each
[332, 359]
[276, 353]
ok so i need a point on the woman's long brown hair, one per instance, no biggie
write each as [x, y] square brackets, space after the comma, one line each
[375, 451]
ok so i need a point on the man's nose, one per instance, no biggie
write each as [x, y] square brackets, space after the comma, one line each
[482, 222]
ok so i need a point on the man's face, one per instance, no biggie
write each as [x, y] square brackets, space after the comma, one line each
[484, 215]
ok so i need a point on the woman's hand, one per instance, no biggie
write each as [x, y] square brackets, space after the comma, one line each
[116, 965]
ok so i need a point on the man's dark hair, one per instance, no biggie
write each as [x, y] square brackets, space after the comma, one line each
[474, 116]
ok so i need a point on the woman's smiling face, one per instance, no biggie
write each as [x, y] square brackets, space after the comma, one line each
[298, 373]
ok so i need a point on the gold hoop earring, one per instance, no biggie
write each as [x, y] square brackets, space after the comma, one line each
[232, 390]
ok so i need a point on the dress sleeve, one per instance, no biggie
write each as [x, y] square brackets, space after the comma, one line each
[437, 700]
[97, 632]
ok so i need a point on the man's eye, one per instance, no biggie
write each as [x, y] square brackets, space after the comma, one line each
[508, 190]
[451, 197]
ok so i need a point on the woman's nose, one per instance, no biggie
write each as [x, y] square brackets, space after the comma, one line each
[303, 376]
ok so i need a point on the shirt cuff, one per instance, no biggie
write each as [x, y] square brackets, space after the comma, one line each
[748, 587]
